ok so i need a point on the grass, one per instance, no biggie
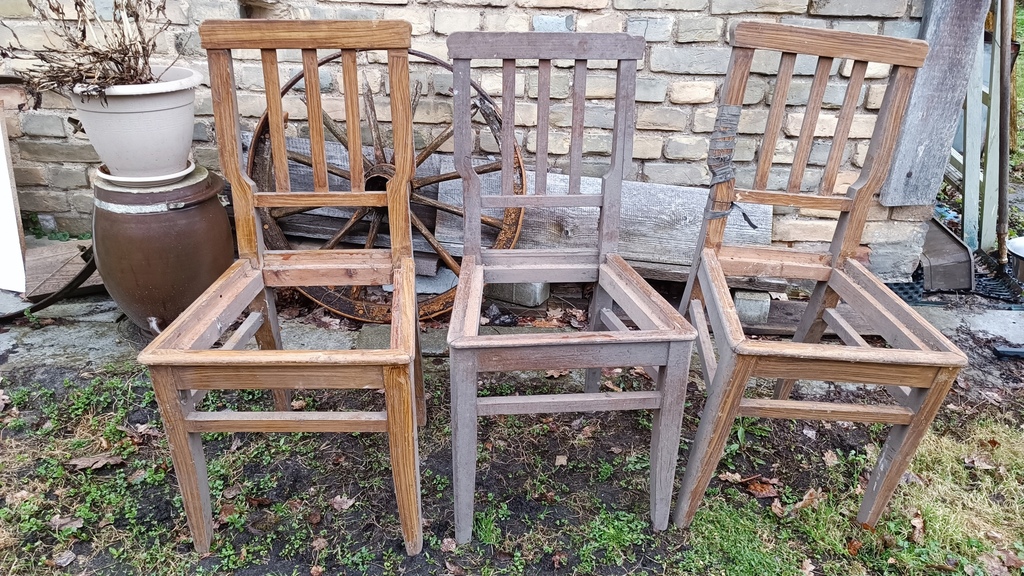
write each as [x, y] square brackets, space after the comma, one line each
[273, 495]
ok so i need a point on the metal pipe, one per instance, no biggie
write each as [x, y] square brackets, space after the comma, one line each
[1005, 109]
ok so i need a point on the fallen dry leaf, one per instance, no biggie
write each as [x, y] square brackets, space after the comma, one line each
[316, 571]
[454, 569]
[979, 461]
[830, 458]
[807, 567]
[730, 477]
[588, 431]
[810, 433]
[58, 523]
[561, 460]
[298, 404]
[762, 490]
[65, 558]
[448, 545]
[853, 547]
[340, 503]
[558, 558]
[994, 536]
[811, 499]
[95, 462]
[608, 384]
[994, 565]
[615, 450]
[777, 508]
[314, 517]
[917, 537]
[232, 491]
[319, 544]
[5, 401]
[555, 373]
[1010, 559]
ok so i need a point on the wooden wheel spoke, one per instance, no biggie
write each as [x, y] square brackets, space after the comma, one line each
[331, 168]
[371, 118]
[434, 145]
[355, 218]
[420, 199]
[332, 126]
[376, 218]
[479, 169]
[416, 97]
[442, 253]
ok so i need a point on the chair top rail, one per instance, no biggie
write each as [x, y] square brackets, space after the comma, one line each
[830, 43]
[306, 34]
[541, 45]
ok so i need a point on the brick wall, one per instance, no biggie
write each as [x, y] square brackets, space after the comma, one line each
[677, 87]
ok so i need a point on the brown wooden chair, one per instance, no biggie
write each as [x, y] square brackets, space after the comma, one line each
[663, 340]
[184, 361]
[919, 365]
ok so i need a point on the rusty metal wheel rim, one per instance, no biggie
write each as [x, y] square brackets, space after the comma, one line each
[346, 301]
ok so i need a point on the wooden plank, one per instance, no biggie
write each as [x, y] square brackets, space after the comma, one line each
[319, 199]
[547, 201]
[275, 422]
[830, 43]
[708, 361]
[241, 336]
[306, 34]
[794, 199]
[876, 371]
[952, 29]
[262, 376]
[565, 351]
[523, 258]
[776, 114]
[541, 272]
[508, 122]
[327, 268]
[51, 265]
[464, 439]
[311, 76]
[626, 286]
[610, 222]
[579, 90]
[718, 300]
[465, 320]
[538, 45]
[275, 120]
[755, 266]
[271, 358]
[807, 128]
[846, 332]
[971, 158]
[404, 311]
[832, 411]
[556, 403]
[403, 448]
[350, 80]
[892, 329]
[543, 113]
[399, 215]
[470, 189]
[785, 351]
[842, 133]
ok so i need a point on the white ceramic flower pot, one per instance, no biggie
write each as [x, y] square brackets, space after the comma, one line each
[143, 131]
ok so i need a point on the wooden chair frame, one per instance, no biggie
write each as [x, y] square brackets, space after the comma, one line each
[921, 364]
[664, 340]
[182, 362]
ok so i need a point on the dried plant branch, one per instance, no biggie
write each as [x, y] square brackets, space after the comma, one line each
[92, 51]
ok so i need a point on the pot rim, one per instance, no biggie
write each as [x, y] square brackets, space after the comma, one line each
[189, 80]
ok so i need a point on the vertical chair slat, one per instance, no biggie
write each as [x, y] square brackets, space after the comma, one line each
[622, 152]
[275, 116]
[508, 122]
[355, 140]
[775, 118]
[463, 131]
[399, 221]
[835, 155]
[806, 141]
[317, 150]
[543, 110]
[579, 102]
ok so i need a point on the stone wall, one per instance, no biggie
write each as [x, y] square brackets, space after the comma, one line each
[683, 69]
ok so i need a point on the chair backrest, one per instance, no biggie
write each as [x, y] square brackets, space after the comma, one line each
[756, 46]
[220, 37]
[539, 49]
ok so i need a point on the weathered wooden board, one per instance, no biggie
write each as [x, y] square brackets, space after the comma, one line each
[50, 266]
[953, 29]
[660, 223]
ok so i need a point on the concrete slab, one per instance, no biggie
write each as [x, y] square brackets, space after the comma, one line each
[10, 302]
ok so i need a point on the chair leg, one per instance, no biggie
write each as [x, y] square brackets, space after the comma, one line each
[269, 338]
[464, 439]
[900, 447]
[809, 331]
[667, 425]
[188, 458]
[417, 378]
[405, 461]
[720, 410]
[599, 301]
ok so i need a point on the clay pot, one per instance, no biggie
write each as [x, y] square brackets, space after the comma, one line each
[158, 249]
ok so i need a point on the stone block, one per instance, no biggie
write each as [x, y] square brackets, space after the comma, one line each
[801, 21]
[29, 176]
[862, 127]
[502, 22]
[558, 142]
[14, 97]
[752, 307]
[578, 4]
[858, 26]
[600, 87]
[704, 119]
[526, 294]
[57, 152]
[893, 232]
[663, 118]
[492, 83]
[651, 89]
[559, 87]
[917, 8]
[82, 201]
[335, 12]
[202, 132]
[30, 35]
[678, 173]
[55, 101]
[418, 17]
[35, 200]
[790, 229]
[913, 213]
[874, 70]
[448, 21]
[597, 143]
[690, 59]
[652, 28]
[16, 9]
[757, 88]
[746, 149]
[606, 23]
[478, 2]
[699, 29]
[66, 178]
[692, 92]
[207, 157]
[646, 147]
[860, 153]
[554, 23]
[875, 95]
[882, 8]
[13, 127]
[744, 6]
[902, 28]
[686, 148]
[895, 262]
[660, 4]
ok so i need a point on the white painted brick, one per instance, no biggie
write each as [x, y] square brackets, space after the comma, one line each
[16, 9]
[791, 229]
[691, 92]
[502, 22]
[876, 92]
[613, 22]
[448, 21]
[491, 82]
[862, 127]
[418, 17]
[875, 69]
[647, 147]
[558, 142]
[662, 118]
[690, 59]
[652, 28]
[699, 29]
[678, 173]
[743, 6]
[686, 148]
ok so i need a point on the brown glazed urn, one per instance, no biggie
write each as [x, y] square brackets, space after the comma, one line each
[158, 248]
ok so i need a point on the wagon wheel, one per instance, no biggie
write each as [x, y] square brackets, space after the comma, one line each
[356, 302]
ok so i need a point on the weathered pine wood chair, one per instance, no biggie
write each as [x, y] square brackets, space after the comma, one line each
[183, 361]
[919, 365]
[663, 340]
